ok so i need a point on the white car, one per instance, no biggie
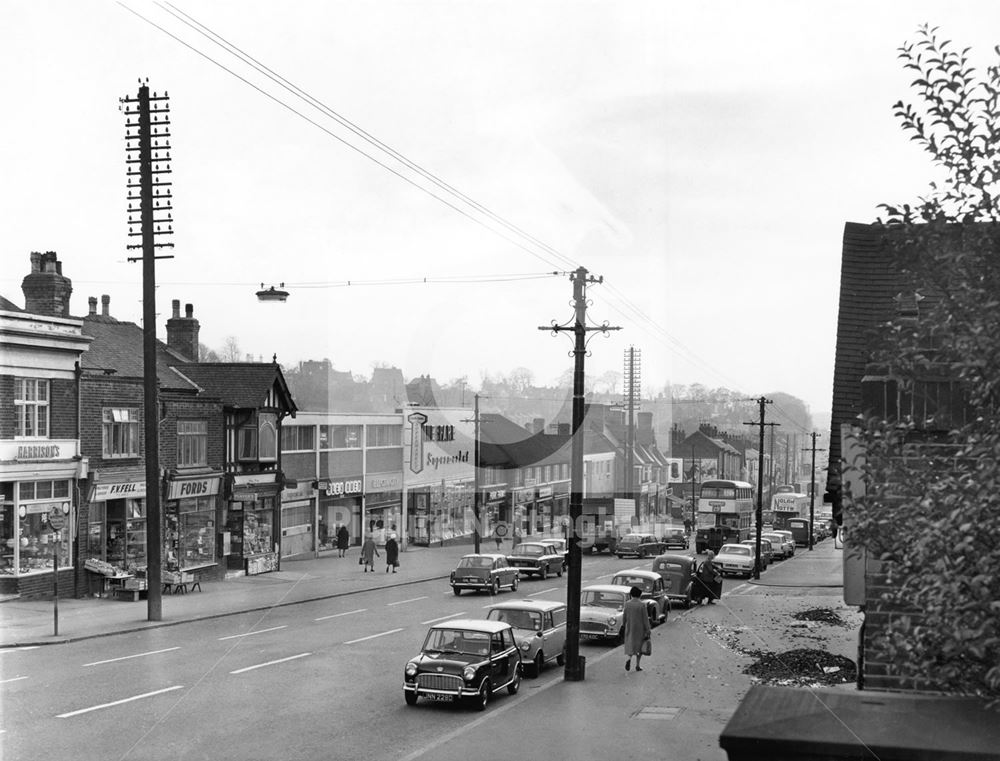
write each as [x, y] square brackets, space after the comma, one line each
[602, 609]
[787, 535]
[539, 630]
[735, 559]
[783, 546]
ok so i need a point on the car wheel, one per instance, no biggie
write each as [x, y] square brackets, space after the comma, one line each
[545, 572]
[515, 685]
[687, 601]
[457, 591]
[514, 583]
[495, 586]
[654, 617]
[620, 556]
[538, 664]
[559, 572]
[620, 639]
[411, 698]
[561, 658]
[483, 698]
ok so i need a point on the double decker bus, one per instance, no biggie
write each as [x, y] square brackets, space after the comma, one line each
[725, 514]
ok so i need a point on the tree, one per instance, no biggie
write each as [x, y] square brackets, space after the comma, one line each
[931, 511]
[230, 351]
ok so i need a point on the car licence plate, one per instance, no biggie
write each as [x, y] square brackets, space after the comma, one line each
[434, 696]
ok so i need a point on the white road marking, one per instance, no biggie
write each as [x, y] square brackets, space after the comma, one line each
[14, 679]
[19, 649]
[338, 615]
[126, 657]
[443, 618]
[736, 590]
[606, 576]
[373, 636]
[270, 663]
[120, 702]
[544, 591]
[250, 634]
[400, 602]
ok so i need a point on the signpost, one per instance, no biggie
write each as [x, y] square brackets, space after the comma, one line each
[56, 521]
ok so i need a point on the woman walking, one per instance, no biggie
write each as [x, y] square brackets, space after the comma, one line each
[637, 629]
[391, 553]
[368, 553]
[343, 541]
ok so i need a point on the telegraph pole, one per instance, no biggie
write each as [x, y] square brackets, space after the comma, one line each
[147, 136]
[760, 484]
[632, 391]
[476, 496]
[574, 671]
[812, 485]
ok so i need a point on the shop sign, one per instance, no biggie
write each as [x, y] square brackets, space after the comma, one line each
[384, 482]
[544, 491]
[254, 479]
[496, 495]
[193, 487]
[344, 487]
[128, 490]
[304, 491]
[50, 449]
[524, 495]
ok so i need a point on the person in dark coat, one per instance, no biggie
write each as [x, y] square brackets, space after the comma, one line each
[343, 540]
[709, 580]
[637, 628]
[391, 553]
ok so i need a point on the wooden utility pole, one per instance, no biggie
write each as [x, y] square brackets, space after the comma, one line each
[812, 485]
[574, 670]
[760, 485]
[147, 137]
[632, 391]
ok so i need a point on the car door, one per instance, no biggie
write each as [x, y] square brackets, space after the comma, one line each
[505, 571]
[555, 638]
[500, 662]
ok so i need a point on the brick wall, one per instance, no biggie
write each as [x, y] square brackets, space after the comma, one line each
[879, 671]
[62, 408]
[6, 406]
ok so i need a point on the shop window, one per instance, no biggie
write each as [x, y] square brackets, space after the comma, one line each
[36, 544]
[384, 436]
[345, 436]
[192, 442]
[547, 477]
[190, 537]
[31, 407]
[297, 438]
[267, 448]
[121, 432]
[247, 443]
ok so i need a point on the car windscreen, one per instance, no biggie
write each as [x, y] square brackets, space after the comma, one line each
[734, 549]
[666, 566]
[457, 642]
[603, 600]
[529, 549]
[475, 563]
[623, 579]
[519, 619]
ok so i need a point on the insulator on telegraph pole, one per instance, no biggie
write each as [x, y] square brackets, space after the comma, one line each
[147, 161]
[574, 670]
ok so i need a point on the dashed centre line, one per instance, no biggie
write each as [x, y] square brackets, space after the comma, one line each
[13, 679]
[338, 615]
[127, 657]
[401, 602]
[373, 636]
[120, 702]
[259, 631]
[443, 618]
[544, 591]
[270, 663]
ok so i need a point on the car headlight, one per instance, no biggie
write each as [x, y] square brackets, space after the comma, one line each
[526, 646]
[411, 669]
[469, 673]
[612, 621]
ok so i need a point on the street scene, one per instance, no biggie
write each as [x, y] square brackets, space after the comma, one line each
[500, 379]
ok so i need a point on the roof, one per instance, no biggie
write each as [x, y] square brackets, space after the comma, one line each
[642, 573]
[119, 346]
[607, 588]
[245, 385]
[493, 555]
[539, 605]
[9, 306]
[473, 624]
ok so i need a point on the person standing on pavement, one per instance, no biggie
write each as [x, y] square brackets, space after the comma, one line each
[343, 540]
[710, 579]
[368, 553]
[391, 553]
[637, 629]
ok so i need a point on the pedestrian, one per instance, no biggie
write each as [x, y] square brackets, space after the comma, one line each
[368, 553]
[516, 537]
[709, 579]
[637, 629]
[343, 540]
[391, 553]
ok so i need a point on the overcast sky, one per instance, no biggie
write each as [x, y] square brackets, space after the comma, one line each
[701, 157]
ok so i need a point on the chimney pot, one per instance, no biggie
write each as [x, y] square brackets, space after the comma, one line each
[105, 304]
[176, 304]
[92, 301]
[189, 310]
[36, 261]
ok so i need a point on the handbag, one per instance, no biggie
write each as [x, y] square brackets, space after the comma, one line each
[361, 560]
[647, 647]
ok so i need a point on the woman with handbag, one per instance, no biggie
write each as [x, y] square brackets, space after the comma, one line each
[391, 553]
[637, 629]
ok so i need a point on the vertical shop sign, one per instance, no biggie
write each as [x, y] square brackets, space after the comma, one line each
[417, 420]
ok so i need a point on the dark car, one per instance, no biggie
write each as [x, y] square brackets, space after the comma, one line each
[485, 572]
[677, 572]
[537, 559]
[654, 592]
[675, 536]
[639, 545]
[464, 659]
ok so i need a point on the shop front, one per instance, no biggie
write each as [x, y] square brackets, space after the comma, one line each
[494, 512]
[37, 481]
[522, 509]
[340, 501]
[116, 521]
[383, 505]
[190, 540]
[249, 540]
[298, 509]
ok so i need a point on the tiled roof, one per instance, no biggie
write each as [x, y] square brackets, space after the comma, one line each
[9, 306]
[240, 384]
[118, 346]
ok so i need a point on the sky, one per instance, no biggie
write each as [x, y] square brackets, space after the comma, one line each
[700, 158]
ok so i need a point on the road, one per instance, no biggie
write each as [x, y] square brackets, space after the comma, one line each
[316, 680]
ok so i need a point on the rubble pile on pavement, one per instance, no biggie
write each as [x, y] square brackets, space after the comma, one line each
[821, 615]
[802, 668]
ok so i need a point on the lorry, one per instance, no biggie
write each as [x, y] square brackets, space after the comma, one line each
[596, 526]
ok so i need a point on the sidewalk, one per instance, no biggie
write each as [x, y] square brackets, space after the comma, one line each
[31, 622]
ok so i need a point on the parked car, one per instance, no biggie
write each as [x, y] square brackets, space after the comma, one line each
[783, 547]
[766, 551]
[800, 530]
[639, 545]
[602, 607]
[561, 546]
[484, 572]
[654, 592]
[539, 630]
[788, 537]
[464, 659]
[536, 559]
[675, 536]
[735, 559]
[677, 572]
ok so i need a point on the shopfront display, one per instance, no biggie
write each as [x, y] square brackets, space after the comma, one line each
[340, 501]
[30, 544]
[189, 538]
[116, 525]
[251, 522]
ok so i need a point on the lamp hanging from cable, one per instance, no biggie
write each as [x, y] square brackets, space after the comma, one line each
[272, 293]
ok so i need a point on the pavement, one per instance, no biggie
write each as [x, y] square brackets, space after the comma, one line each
[677, 708]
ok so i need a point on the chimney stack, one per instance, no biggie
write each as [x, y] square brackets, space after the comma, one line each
[182, 332]
[106, 305]
[46, 290]
[92, 303]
